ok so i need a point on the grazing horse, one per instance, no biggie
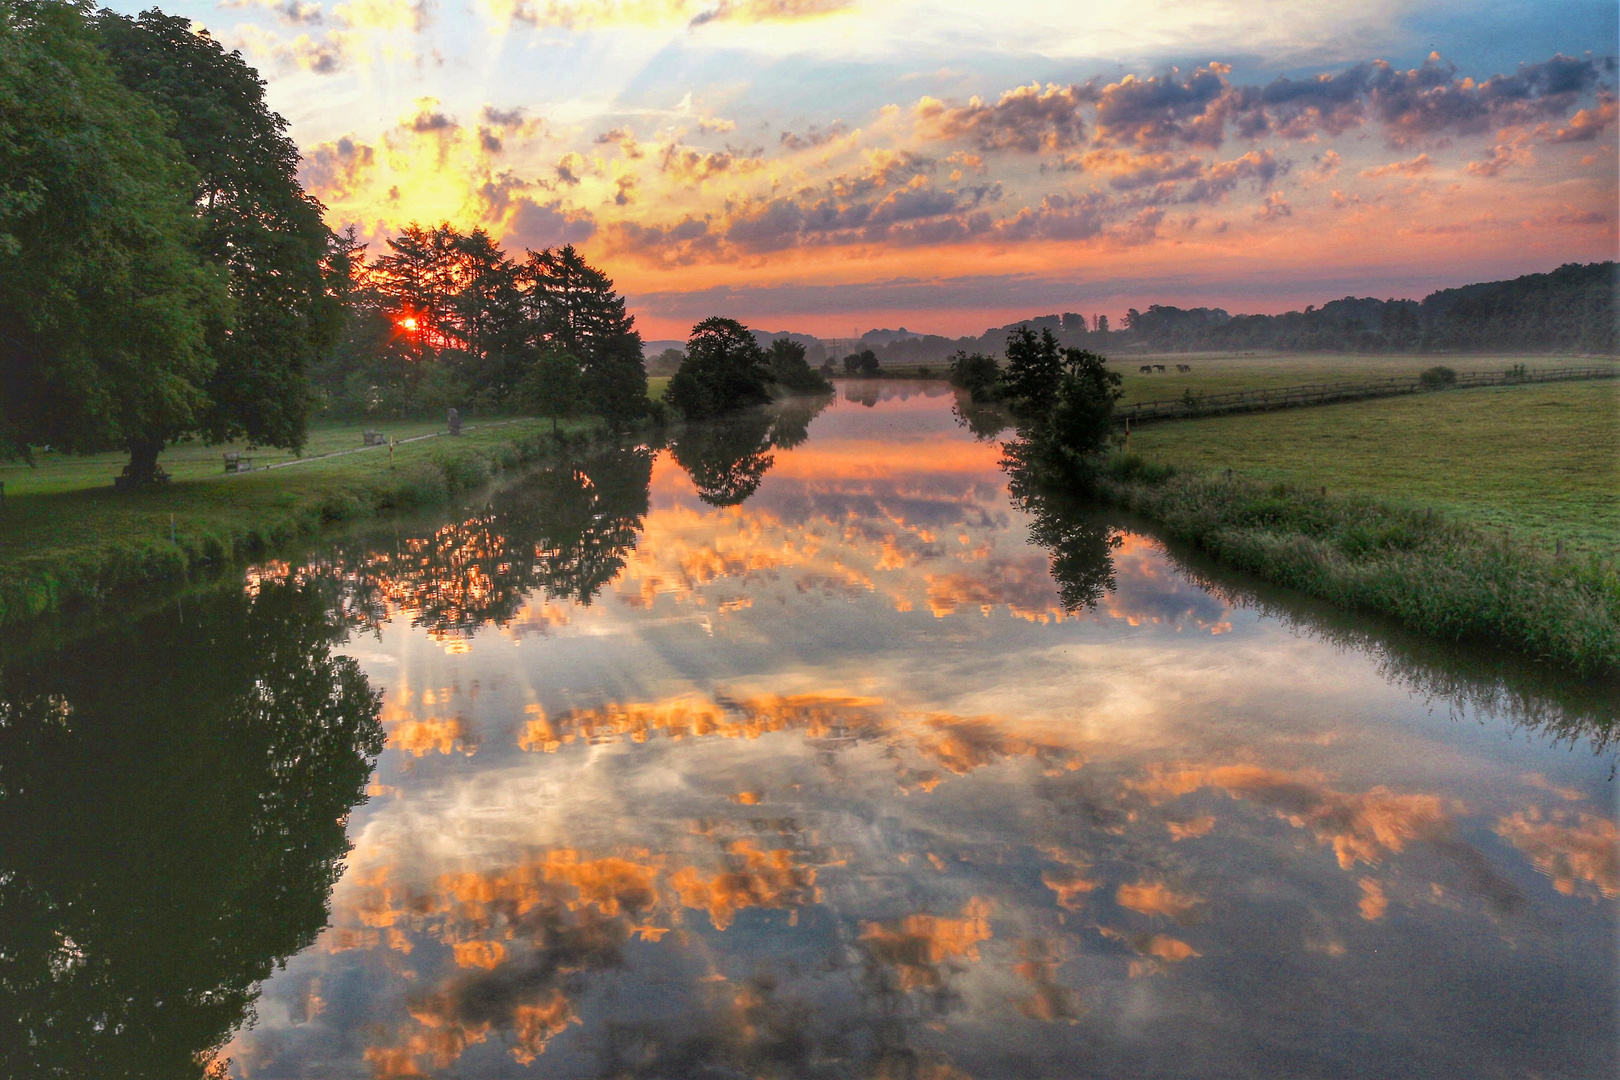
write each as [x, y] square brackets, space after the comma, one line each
[1146, 369]
[1159, 368]
[1183, 368]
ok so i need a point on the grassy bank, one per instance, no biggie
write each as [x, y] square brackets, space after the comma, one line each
[1217, 373]
[61, 545]
[1539, 461]
[1445, 512]
[1447, 579]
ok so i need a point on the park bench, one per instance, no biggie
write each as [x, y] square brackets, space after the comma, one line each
[374, 438]
[235, 462]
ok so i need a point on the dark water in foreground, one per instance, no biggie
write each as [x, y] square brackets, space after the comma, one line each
[604, 779]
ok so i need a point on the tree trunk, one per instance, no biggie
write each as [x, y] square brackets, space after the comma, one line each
[142, 469]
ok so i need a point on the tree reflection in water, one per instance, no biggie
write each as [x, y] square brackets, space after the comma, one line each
[1080, 543]
[173, 800]
[728, 460]
[984, 422]
[565, 529]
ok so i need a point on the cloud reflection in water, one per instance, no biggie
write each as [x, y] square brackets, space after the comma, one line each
[834, 782]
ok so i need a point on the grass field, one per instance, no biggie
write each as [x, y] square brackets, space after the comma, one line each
[1218, 373]
[1214, 373]
[656, 385]
[1540, 460]
[54, 473]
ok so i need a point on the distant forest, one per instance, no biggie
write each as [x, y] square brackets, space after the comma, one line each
[1570, 310]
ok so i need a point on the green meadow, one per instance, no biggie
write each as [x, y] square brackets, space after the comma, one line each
[1542, 461]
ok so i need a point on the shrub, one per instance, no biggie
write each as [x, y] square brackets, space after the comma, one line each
[1437, 378]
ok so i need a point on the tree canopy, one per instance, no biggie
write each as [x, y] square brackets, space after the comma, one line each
[724, 370]
[258, 223]
[105, 301]
[162, 273]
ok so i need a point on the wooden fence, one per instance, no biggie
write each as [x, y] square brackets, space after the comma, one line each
[1290, 397]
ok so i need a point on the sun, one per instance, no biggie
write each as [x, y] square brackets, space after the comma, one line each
[408, 324]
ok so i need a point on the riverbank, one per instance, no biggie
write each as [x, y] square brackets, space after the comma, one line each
[1483, 515]
[65, 548]
[1447, 579]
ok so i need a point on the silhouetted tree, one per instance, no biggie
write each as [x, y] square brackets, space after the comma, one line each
[978, 374]
[1034, 367]
[724, 371]
[791, 371]
[573, 306]
[552, 386]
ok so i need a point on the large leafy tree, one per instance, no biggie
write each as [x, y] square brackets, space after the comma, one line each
[258, 224]
[724, 370]
[573, 306]
[104, 301]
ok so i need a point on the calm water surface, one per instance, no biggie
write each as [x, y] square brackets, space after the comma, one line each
[733, 761]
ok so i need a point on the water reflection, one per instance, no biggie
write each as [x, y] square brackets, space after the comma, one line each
[563, 531]
[173, 796]
[727, 461]
[897, 767]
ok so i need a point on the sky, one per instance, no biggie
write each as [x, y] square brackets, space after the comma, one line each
[827, 166]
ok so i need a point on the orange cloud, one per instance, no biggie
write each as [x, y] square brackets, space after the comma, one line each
[1361, 828]
[1579, 852]
[1415, 167]
[1157, 898]
[923, 950]
[763, 879]
[1373, 901]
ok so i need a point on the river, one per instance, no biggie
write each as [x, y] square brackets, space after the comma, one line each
[799, 749]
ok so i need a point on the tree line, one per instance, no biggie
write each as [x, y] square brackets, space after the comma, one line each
[446, 319]
[1571, 309]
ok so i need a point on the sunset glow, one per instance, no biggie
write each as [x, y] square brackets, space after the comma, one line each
[829, 166]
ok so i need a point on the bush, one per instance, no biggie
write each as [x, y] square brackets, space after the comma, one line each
[1437, 378]
[978, 374]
